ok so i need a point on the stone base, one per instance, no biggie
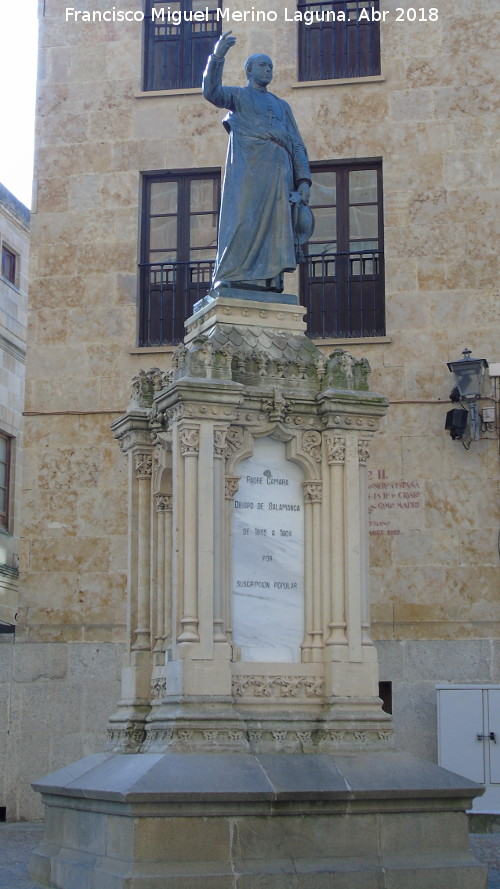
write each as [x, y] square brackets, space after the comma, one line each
[239, 307]
[276, 821]
[246, 293]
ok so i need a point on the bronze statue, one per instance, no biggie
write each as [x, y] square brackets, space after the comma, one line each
[267, 178]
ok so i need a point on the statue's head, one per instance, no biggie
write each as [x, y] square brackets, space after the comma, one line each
[259, 69]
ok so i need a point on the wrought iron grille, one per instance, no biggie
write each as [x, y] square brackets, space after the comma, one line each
[169, 291]
[331, 48]
[176, 52]
[344, 294]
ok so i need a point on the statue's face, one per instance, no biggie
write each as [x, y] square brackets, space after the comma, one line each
[261, 72]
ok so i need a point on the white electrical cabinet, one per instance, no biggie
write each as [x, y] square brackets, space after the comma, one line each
[469, 737]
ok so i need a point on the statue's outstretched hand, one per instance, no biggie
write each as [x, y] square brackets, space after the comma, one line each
[224, 43]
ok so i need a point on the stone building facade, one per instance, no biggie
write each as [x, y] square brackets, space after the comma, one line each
[120, 142]
[14, 245]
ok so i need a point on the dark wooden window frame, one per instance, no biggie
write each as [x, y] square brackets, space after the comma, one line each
[5, 512]
[10, 265]
[169, 289]
[332, 50]
[175, 55]
[344, 290]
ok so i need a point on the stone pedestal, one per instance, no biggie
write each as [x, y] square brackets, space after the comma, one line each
[249, 748]
[248, 578]
[232, 821]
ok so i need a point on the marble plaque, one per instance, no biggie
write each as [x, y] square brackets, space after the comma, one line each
[268, 556]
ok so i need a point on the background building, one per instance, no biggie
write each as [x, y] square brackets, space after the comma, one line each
[14, 245]
[400, 118]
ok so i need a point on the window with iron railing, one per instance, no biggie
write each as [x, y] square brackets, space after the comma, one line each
[179, 37]
[342, 278]
[5, 457]
[179, 244]
[338, 39]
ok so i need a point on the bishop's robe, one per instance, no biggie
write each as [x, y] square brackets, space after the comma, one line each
[266, 160]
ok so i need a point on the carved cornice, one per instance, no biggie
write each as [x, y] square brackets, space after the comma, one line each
[203, 409]
[132, 430]
[300, 420]
[278, 686]
[339, 419]
[125, 740]
[275, 737]
[199, 408]
[312, 739]
[250, 353]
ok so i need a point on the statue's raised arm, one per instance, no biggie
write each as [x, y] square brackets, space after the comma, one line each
[267, 174]
[212, 78]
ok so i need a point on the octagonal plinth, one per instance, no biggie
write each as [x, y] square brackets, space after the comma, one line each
[230, 821]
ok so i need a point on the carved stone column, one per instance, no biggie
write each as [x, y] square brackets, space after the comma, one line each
[335, 449]
[364, 455]
[230, 491]
[133, 432]
[313, 493]
[189, 437]
[127, 724]
[219, 530]
[351, 415]
[143, 464]
[234, 443]
[352, 532]
[163, 570]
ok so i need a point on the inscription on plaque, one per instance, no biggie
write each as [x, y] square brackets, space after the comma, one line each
[268, 556]
[394, 506]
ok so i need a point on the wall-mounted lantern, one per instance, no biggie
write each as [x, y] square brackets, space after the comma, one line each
[469, 376]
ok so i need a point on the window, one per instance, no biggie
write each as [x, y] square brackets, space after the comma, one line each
[177, 45]
[5, 452]
[342, 279]
[180, 218]
[9, 265]
[340, 41]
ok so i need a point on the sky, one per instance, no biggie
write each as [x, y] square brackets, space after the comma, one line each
[18, 56]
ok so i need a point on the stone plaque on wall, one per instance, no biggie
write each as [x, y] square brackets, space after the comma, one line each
[268, 556]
